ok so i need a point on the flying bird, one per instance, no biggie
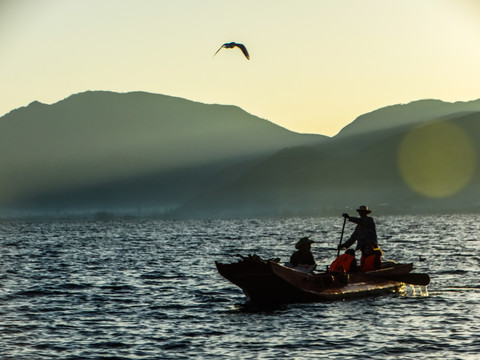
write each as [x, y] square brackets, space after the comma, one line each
[231, 45]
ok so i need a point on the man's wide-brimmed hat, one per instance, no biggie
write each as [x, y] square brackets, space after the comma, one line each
[364, 209]
[302, 242]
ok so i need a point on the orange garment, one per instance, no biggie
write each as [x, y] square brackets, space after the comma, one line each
[370, 263]
[343, 263]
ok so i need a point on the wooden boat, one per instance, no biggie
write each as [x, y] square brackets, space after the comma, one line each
[267, 281]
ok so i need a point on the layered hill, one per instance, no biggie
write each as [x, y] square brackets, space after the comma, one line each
[365, 164]
[105, 151]
[406, 114]
[110, 150]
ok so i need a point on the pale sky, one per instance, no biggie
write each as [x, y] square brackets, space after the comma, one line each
[315, 64]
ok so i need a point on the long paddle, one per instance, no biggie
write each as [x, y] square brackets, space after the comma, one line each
[341, 236]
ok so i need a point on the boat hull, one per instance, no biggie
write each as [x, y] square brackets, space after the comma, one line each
[269, 282]
[260, 284]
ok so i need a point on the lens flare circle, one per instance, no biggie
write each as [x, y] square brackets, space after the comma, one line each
[437, 159]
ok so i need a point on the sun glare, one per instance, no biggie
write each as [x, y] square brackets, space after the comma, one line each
[437, 159]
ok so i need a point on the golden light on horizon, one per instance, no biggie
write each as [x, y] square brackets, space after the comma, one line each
[310, 61]
[437, 159]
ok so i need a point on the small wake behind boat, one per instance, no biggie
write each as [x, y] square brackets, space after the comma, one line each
[266, 281]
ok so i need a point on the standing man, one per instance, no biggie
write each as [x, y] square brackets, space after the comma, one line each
[365, 234]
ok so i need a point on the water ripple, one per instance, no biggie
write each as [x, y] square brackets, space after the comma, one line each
[150, 290]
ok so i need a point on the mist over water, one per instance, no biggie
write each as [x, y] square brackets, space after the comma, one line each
[145, 289]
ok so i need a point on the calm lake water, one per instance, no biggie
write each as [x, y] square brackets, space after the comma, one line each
[146, 289]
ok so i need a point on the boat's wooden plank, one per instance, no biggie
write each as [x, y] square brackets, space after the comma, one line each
[339, 286]
[361, 289]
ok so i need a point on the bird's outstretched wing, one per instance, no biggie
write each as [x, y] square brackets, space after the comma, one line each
[244, 50]
[219, 49]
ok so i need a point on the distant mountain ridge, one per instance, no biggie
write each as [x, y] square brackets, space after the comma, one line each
[345, 172]
[406, 114]
[104, 140]
[146, 153]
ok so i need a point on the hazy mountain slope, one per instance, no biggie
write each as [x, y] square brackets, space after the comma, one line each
[102, 139]
[327, 178]
[406, 114]
[110, 151]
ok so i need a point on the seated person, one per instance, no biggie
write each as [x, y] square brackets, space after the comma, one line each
[302, 259]
[345, 262]
[372, 261]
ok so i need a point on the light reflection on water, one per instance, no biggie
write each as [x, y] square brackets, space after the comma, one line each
[414, 290]
[150, 290]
